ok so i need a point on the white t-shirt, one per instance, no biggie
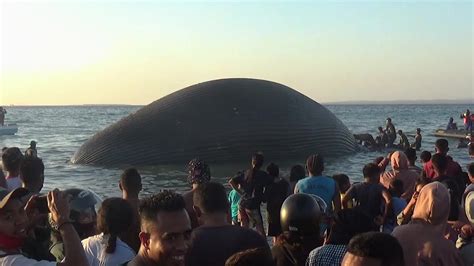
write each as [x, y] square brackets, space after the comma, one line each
[94, 248]
[20, 260]
[13, 183]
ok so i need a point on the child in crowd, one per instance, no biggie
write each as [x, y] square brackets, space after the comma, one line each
[344, 184]
[398, 204]
[425, 157]
[234, 199]
[275, 195]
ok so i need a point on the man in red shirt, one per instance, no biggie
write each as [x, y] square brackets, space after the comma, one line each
[453, 169]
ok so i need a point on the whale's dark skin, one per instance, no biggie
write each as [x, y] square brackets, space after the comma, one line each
[220, 121]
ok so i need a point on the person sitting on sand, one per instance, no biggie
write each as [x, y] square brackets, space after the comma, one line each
[451, 125]
[404, 143]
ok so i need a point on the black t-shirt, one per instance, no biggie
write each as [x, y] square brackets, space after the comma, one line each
[286, 255]
[275, 195]
[214, 245]
[367, 197]
[253, 189]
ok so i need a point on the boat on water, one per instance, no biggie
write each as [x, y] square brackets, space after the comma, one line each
[456, 134]
[8, 129]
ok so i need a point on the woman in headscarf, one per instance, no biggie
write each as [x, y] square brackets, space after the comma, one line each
[423, 239]
[465, 242]
[399, 163]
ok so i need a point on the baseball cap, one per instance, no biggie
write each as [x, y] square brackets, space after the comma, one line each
[469, 206]
[6, 195]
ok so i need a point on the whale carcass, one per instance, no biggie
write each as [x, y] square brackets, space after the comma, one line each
[222, 120]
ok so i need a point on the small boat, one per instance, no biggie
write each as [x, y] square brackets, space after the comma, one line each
[456, 134]
[8, 129]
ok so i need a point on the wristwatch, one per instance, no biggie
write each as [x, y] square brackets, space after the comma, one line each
[57, 226]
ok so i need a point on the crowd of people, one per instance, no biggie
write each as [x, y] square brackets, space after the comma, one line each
[400, 214]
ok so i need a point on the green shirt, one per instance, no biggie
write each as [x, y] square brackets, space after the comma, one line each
[234, 199]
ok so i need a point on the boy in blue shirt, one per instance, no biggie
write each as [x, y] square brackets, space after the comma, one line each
[234, 199]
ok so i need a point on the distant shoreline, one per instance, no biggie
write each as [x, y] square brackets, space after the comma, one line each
[395, 102]
[404, 102]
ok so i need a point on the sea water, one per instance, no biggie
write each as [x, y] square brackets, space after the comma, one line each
[60, 131]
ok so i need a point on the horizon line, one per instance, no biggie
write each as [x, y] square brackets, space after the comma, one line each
[355, 102]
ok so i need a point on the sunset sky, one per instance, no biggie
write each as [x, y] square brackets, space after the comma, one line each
[134, 52]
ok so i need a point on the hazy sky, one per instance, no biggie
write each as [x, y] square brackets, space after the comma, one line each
[129, 52]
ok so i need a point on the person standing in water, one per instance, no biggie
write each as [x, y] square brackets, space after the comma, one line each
[391, 132]
[417, 144]
[2, 115]
[31, 151]
[404, 143]
[468, 117]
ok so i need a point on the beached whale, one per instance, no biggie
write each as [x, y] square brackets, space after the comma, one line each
[222, 120]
